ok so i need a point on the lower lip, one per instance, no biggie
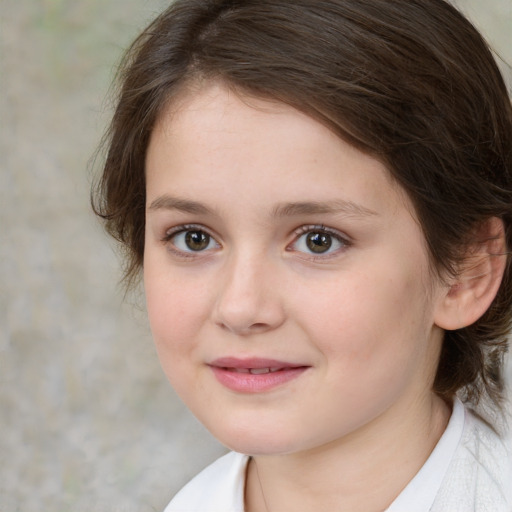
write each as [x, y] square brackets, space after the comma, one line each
[256, 383]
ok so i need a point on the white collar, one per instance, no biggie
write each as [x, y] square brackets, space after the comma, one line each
[218, 488]
[421, 491]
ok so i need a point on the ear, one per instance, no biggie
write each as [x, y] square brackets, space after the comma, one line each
[471, 292]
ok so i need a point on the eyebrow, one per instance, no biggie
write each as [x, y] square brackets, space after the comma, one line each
[338, 206]
[175, 203]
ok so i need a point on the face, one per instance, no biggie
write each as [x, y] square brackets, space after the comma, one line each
[287, 280]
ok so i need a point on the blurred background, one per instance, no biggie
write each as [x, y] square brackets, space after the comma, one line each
[87, 420]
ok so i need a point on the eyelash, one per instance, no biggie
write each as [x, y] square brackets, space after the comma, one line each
[344, 241]
[175, 231]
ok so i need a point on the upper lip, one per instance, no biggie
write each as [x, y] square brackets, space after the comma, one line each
[252, 363]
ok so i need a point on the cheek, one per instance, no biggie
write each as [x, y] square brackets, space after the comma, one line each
[173, 311]
[369, 316]
[174, 308]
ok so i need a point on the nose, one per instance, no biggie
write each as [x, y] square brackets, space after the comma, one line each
[248, 300]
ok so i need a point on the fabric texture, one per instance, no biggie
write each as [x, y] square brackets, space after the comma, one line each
[470, 470]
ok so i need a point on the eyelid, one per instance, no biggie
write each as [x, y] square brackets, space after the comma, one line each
[341, 237]
[176, 230]
[169, 233]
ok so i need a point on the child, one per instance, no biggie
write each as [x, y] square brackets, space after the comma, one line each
[319, 196]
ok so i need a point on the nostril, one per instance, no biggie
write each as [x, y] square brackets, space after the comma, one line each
[257, 327]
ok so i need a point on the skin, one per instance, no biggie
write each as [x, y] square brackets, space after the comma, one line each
[361, 317]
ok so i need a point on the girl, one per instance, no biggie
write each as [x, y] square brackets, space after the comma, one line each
[319, 194]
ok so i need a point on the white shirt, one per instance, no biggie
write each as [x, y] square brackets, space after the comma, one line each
[469, 470]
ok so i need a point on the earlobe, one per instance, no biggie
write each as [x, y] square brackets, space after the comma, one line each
[471, 292]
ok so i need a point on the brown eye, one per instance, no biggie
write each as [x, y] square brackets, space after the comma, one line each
[191, 240]
[318, 242]
[197, 240]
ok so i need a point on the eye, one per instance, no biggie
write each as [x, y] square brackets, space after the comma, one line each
[318, 241]
[191, 239]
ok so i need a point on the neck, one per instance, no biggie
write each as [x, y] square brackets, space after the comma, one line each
[336, 476]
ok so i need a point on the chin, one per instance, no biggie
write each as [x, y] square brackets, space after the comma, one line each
[257, 442]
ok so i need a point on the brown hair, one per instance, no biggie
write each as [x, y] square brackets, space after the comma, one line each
[410, 82]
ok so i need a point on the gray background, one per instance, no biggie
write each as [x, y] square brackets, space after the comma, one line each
[87, 420]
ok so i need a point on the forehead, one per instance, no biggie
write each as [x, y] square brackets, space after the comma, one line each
[212, 135]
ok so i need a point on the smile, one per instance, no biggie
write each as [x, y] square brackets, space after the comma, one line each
[254, 375]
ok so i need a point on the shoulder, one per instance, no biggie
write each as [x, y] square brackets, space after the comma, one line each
[479, 475]
[218, 488]
[469, 470]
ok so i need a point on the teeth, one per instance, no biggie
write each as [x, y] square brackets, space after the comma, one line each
[255, 371]
[259, 371]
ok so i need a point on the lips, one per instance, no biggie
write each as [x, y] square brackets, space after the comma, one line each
[254, 375]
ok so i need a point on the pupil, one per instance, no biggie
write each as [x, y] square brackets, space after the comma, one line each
[318, 242]
[197, 240]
